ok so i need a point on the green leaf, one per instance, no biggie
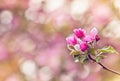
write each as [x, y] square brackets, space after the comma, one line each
[108, 49]
[92, 51]
[70, 47]
[83, 59]
[102, 56]
[74, 52]
[98, 58]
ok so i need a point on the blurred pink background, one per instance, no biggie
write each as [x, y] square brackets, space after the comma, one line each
[32, 39]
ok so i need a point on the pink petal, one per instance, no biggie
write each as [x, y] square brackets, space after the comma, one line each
[87, 38]
[83, 46]
[71, 40]
[80, 33]
[93, 33]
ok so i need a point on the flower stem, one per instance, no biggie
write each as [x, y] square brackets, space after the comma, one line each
[89, 56]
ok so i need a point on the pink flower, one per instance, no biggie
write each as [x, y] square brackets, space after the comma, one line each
[83, 46]
[87, 38]
[80, 33]
[71, 40]
[93, 36]
[97, 38]
[93, 33]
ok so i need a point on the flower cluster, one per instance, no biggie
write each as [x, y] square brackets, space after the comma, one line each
[80, 39]
[84, 48]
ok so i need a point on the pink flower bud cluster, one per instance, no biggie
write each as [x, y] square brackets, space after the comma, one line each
[81, 39]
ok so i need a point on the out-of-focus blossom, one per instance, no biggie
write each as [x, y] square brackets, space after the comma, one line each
[41, 59]
[112, 30]
[53, 52]
[54, 59]
[28, 68]
[35, 4]
[37, 16]
[15, 23]
[52, 5]
[3, 29]
[78, 8]
[45, 74]
[3, 52]
[27, 45]
[6, 17]
[117, 4]
[63, 20]
[9, 22]
[101, 15]
[31, 14]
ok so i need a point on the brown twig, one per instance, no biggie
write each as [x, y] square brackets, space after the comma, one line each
[89, 56]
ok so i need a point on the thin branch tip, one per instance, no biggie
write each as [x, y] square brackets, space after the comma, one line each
[105, 68]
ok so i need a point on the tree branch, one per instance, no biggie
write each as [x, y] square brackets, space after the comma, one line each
[89, 56]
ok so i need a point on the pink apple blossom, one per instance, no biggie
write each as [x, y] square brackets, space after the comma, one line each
[80, 33]
[97, 38]
[92, 37]
[71, 40]
[87, 38]
[93, 33]
[83, 46]
[86, 49]
[81, 36]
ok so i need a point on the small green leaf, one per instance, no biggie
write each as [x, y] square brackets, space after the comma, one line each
[70, 47]
[98, 58]
[102, 56]
[74, 52]
[108, 49]
[92, 51]
[83, 59]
